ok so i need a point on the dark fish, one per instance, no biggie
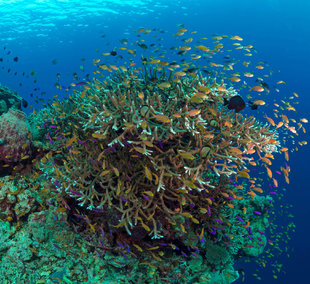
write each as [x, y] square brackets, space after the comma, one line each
[235, 102]
[264, 85]
[174, 64]
[124, 41]
[113, 52]
[207, 72]
[142, 45]
[1, 59]
[54, 61]
[15, 59]
[24, 103]
[192, 70]
[252, 105]
[9, 70]
[81, 83]
[9, 52]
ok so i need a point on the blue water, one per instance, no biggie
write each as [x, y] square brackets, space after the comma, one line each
[39, 32]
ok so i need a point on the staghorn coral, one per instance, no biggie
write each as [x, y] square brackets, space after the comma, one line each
[146, 148]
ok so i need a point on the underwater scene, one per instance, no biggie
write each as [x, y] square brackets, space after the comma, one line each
[154, 141]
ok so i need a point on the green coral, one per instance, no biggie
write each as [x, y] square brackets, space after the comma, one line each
[216, 254]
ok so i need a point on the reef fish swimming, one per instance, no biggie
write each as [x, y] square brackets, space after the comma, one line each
[235, 102]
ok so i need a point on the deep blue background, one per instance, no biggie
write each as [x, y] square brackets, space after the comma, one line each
[278, 29]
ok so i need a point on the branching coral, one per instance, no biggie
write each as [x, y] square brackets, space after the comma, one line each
[146, 144]
[144, 166]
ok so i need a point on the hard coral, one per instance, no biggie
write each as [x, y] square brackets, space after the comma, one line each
[145, 147]
[10, 100]
[15, 143]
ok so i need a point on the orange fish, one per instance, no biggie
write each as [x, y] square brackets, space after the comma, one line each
[162, 118]
[279, 124]
[194, 112]
[257, 89]
[235, 79]
[270, 120]
[259, 102]
[269, 172]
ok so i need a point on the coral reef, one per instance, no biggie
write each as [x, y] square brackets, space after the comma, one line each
[10, 100]
[44, 248]
[143, 176]
[140, 166]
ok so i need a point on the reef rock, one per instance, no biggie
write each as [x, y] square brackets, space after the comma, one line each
[10, 100]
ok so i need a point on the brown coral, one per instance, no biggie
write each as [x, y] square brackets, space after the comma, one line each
[146, 150]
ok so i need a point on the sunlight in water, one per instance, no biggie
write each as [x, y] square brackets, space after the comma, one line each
[38, 17]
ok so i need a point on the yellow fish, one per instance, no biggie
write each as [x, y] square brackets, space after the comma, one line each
[243, 174]
[164, 85]
[185, 48]
[202, 47]
[162, 118]
[237, 38]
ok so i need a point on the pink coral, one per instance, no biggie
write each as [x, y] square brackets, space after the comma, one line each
[15, 141]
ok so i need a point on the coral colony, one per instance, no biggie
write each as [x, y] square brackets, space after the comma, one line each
[148, 169]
